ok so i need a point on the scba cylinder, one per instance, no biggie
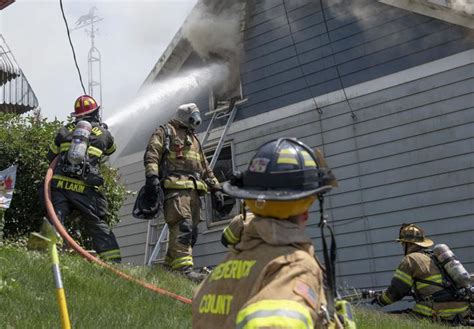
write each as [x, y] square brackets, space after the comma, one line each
[80, 141]
[453, 267]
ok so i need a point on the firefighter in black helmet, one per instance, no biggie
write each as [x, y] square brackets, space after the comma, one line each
[271, 279]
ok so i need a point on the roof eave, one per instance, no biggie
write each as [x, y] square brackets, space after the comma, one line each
[430, 8]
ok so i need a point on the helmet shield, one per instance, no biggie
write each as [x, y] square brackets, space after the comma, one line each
[189, 115]
[284, 169]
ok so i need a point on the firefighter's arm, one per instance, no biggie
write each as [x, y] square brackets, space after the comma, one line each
[154, 152]
[291, 296]
[232, 233]
[54, 148]
[209, 176]
[401, 284]
[111, 146]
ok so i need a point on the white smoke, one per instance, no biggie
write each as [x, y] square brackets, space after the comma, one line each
[212, 33]
[213, 30]
[466, 6]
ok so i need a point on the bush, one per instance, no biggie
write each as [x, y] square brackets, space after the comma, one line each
[24, 140]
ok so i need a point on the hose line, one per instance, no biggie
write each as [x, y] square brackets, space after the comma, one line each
[62, 231]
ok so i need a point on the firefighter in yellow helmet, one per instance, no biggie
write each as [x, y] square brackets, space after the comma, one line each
[177, 174]
[273, 279]
[422, 275]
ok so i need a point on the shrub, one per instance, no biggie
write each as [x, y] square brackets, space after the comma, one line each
[24, 140]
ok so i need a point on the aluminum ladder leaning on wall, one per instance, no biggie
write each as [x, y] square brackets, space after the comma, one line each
[160, 246]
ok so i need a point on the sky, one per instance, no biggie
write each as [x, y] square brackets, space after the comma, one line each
[132, 37]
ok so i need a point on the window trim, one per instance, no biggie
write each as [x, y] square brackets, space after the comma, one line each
[213, 106]
[207, 198]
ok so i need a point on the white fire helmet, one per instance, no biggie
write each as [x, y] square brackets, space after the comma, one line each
[189, 115]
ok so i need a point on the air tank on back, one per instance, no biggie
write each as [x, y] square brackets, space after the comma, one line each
[453, 267]
[80, 142]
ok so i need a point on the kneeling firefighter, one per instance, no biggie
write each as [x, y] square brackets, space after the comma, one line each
[271, 278]
[81, 145]
[439, 283]
[177, 175]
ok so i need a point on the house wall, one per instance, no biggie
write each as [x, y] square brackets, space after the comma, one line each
[407, 158]
[366, 40]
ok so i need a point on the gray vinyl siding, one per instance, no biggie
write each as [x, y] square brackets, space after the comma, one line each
[407, 158]
[131, 233]
[368, 40]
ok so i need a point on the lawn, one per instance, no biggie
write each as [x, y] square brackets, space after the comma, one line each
[99, 299]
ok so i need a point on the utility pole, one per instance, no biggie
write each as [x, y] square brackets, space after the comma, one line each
[93, 57]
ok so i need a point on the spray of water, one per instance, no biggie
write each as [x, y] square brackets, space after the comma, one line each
[133, 124]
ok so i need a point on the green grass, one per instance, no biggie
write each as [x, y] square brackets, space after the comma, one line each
[371, 319]
[95, 297]
[98, 299]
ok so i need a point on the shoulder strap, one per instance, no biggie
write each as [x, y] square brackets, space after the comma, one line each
[447, 280]
[167, 131]
[163, 173]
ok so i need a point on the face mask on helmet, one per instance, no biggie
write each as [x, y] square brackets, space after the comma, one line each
[189, 115]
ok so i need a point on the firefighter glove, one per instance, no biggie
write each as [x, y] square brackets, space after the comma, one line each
[218, 197]
[152, 184]
[154, 196]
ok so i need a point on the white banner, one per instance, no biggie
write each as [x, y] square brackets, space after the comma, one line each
[7, 185]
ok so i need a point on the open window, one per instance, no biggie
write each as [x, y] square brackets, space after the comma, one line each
[221, 95]
[223, 168]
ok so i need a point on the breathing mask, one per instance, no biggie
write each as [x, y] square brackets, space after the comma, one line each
[189, 115]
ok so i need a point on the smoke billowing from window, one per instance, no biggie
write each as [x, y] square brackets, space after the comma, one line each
[213, 30]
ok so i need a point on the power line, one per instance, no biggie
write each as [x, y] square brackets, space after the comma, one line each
[72, 47]
[353, 115]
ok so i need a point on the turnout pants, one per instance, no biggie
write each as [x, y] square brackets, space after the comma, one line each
[182, 211]
[93, 208]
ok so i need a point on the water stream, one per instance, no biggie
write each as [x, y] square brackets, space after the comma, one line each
[133, 124]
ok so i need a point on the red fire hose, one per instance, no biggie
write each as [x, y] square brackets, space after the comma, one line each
[62, 231]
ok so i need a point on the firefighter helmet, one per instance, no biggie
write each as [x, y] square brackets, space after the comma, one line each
[189, 115]
[282, 179]
[84, 105]
[411, 233]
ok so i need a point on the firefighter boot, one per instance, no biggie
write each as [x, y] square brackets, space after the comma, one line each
[193, 275]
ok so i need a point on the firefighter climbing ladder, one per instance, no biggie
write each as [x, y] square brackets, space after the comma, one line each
[160, 246]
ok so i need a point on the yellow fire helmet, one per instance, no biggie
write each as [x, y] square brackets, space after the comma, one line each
[282, 179]
[412, 233]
